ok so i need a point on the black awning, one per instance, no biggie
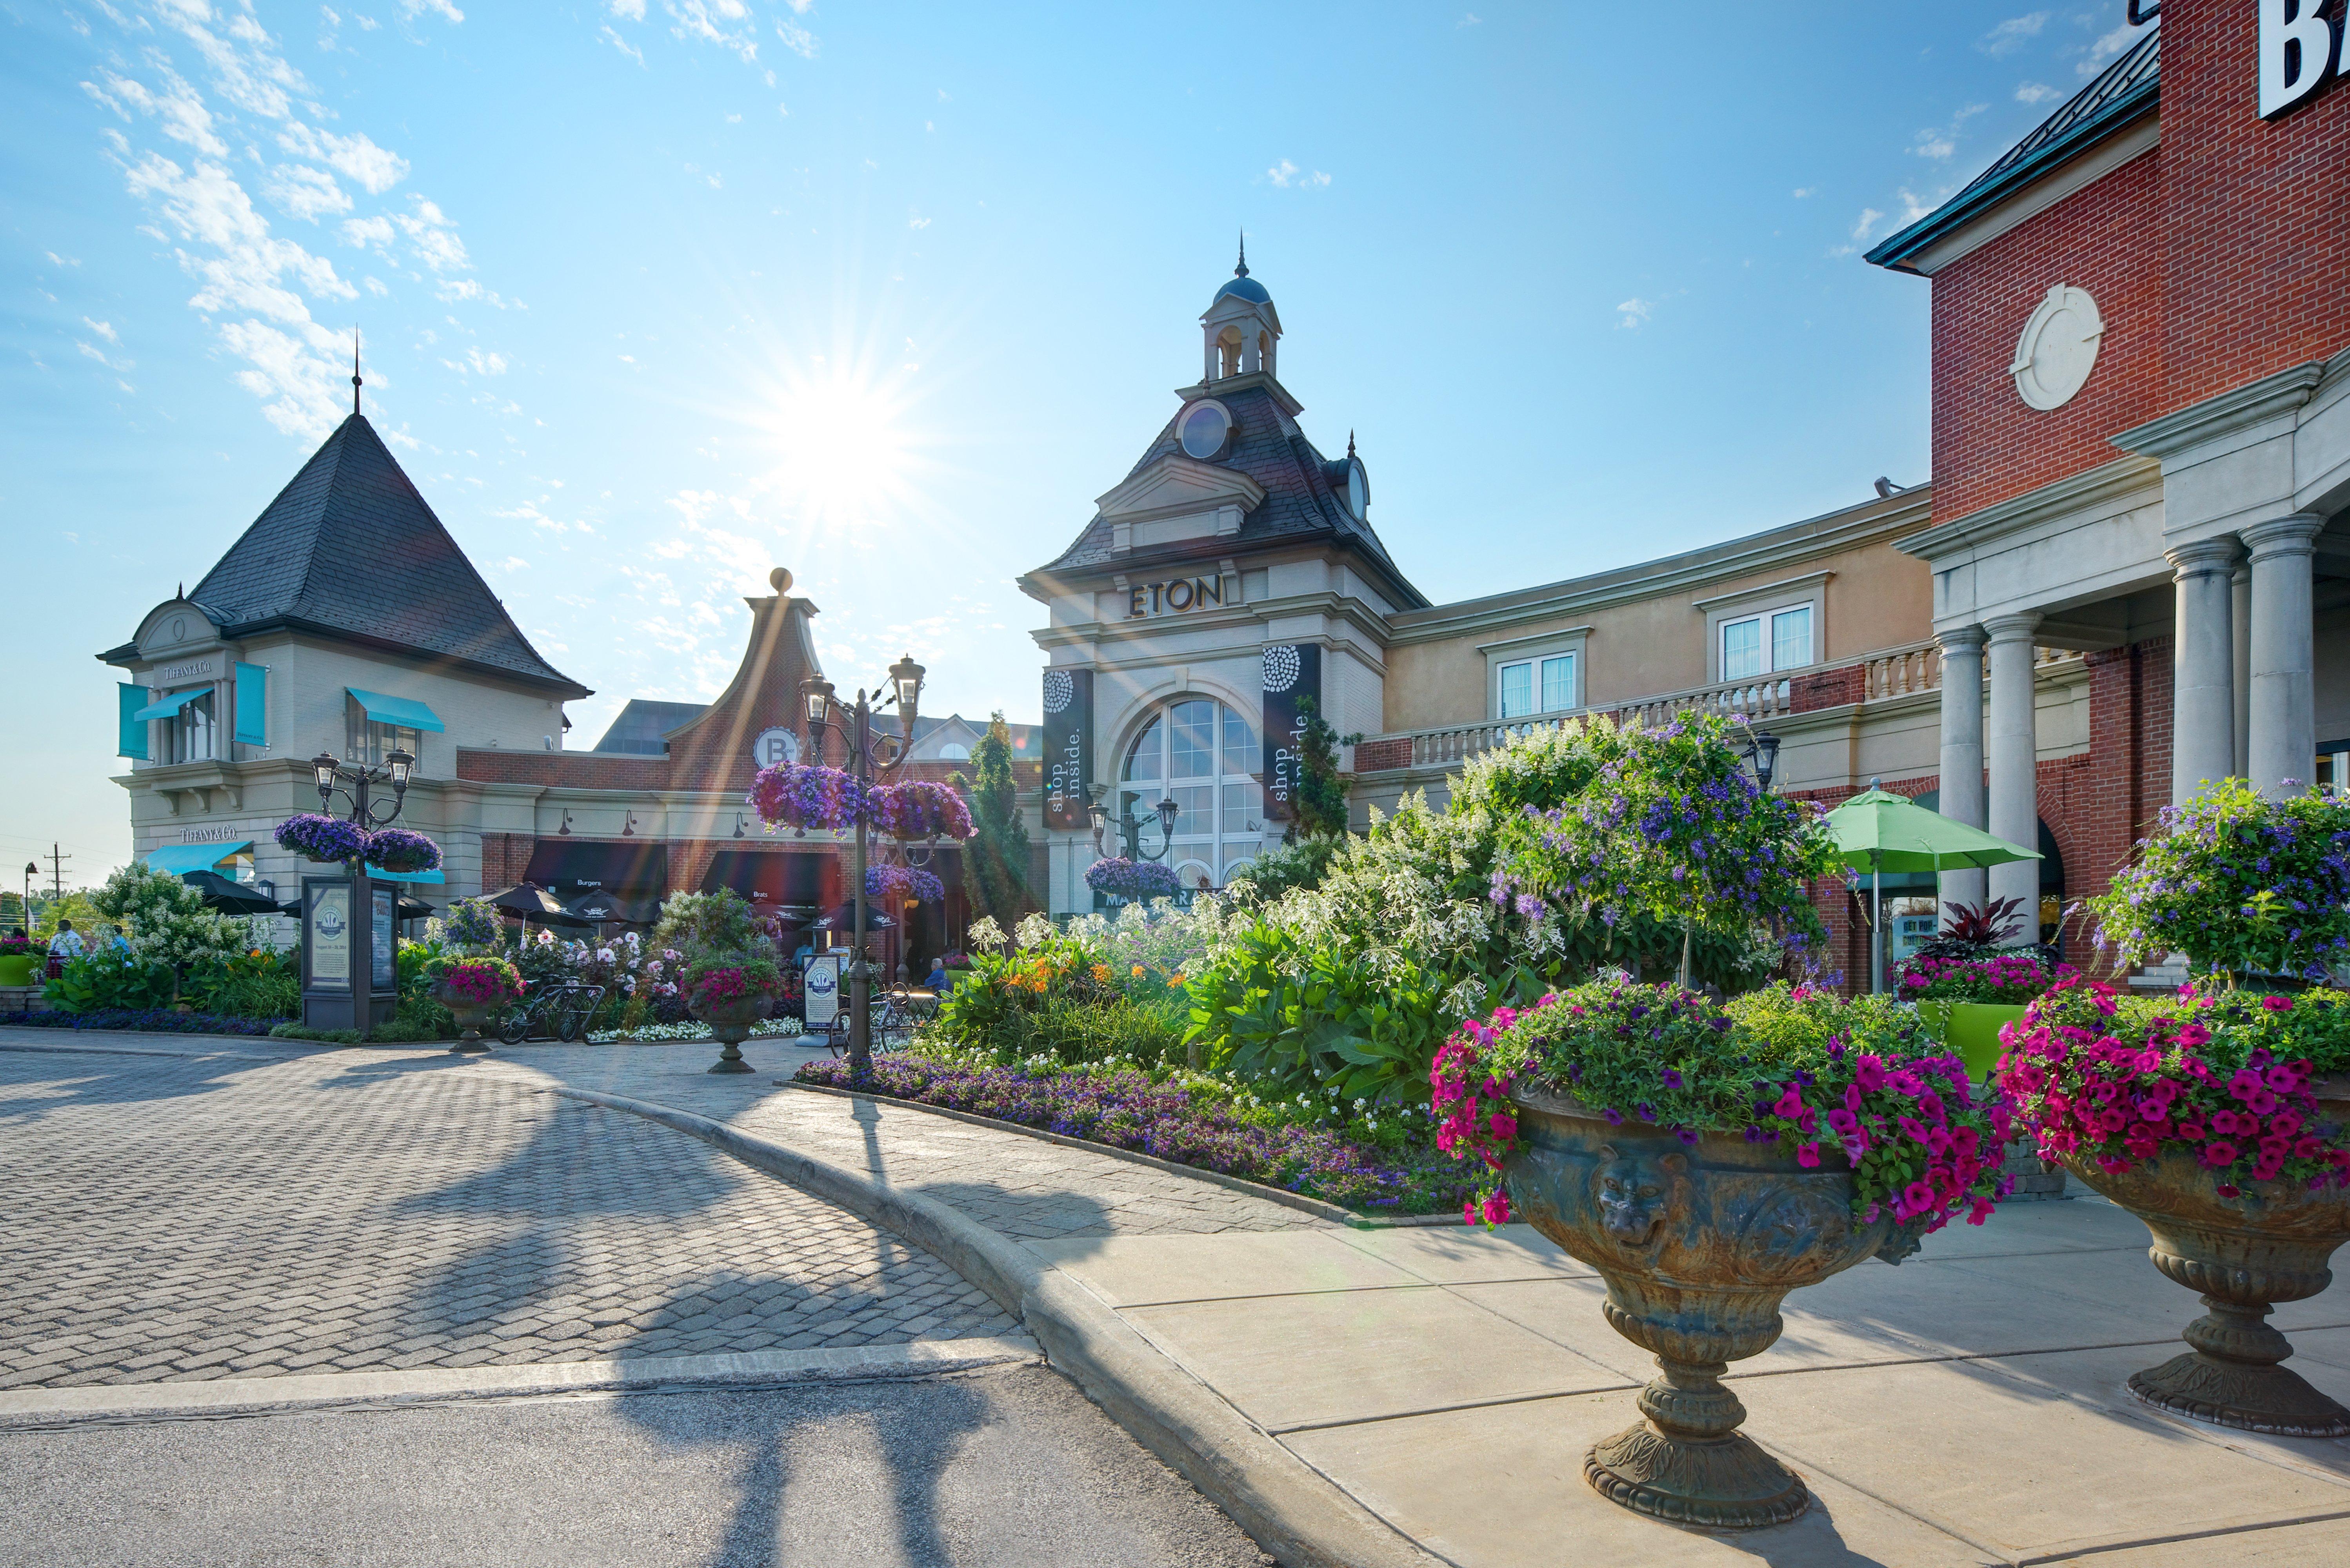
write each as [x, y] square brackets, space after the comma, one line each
[631, 868]
[774, 876]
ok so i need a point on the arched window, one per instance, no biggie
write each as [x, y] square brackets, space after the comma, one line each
[1203, 756]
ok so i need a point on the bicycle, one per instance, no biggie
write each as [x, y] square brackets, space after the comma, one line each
[898, 1016]
[563, 1011]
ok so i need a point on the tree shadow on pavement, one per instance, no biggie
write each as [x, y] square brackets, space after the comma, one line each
[35, 1083]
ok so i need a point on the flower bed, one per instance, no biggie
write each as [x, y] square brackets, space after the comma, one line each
[1789, 1065]
[146, 1020]
[1127, 1110]
[1124, 879]
[328, 840]
[650, 1034]
[2116, 1080]
[2001, 979]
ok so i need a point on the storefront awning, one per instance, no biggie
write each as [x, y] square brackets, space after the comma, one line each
[179, 858]
[380, 875]
[402, 712]
[776, 876]
[631, 868]
[163, 708]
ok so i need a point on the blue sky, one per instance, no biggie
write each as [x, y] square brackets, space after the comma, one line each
[658, 294]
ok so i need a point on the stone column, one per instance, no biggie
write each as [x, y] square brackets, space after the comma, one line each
[2240, 596]
[1962, 749]
[2203, 666]
[2284, 698]
[2014, 744]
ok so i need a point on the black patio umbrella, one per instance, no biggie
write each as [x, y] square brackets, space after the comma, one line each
[403, 907]
[533, 902]
[229, 897]
[844, 919]
[597, 905]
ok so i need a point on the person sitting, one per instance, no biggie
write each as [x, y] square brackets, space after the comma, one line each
[937, 979]
[67, 942]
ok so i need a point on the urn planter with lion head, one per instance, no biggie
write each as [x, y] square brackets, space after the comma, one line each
[1699, 1243]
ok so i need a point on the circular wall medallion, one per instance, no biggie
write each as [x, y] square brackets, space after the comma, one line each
[772, 746]
[1280, 667]
[2058, 349]
[1202, 430]
[1059, 691]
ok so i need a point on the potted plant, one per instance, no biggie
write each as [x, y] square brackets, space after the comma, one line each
[402, 850]
[807, 795]
[328, 840]
[18, 954]
[1969, 983]
[473, 988]
[731, 992]
[918, 809]
[1121, 878]
[1707, 1159]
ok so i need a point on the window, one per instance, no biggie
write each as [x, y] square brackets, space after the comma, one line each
[954, 751]
[1204, 756]
[188, 733]
[1203, 427]
[1552, 679]
[370, 743]
[1747, 653]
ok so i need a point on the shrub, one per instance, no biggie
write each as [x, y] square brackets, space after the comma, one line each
[111, 981]
[156, 1020]
[2242, 885]
[719, 921]
[168, 921]
[1299, 863]
[260, 983]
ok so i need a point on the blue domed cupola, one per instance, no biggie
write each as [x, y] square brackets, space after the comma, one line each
[1241, 330]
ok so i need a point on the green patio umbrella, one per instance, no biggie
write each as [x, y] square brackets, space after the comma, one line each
[1877, 832]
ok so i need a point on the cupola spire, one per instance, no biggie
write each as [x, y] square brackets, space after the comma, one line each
[355, 370]
[1241, 330]
[1242, 270]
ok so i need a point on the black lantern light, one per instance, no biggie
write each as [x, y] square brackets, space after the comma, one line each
[1762, 752]
[325, 765]
[906, 676]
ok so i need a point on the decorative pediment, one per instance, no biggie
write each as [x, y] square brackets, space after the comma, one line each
[1176, 485]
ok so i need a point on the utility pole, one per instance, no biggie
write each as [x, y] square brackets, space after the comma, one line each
[57, 871]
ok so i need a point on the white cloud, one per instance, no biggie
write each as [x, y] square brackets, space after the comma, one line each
[1865, 222]
[375, 168]
[1289, 177]
[180, 109]
[628, 10]
[410, 9]
[1634, 312]
[2012, 33]
[1469, 19]
[2106, 48]
[103, 328]
[1940, 143]
[798, 39]
[1806, 191]
[2034, 92]
[375, 286]
[477, 363]
[725, 23]
[364, 232]
[301, 192]
[918, 223]
[623, 45]
[431, 237]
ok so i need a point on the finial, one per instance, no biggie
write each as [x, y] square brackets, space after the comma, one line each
[1242, 270]
[355, 369]
[181, 592]
[1350, 444]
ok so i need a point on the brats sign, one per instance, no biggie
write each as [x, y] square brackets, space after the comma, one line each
[1291, 670]
[1068, 747]
[1144, 599]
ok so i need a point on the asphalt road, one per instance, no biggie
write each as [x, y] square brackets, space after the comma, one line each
[1010, 1467]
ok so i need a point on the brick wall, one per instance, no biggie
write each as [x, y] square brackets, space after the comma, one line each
[564, 770]
[1371, 756]
[504, 858]
[1989, 444]
[1828, 688]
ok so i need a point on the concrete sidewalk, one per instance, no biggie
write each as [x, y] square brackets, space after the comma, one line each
[1967, 1408]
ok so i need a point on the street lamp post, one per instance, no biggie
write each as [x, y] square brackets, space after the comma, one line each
[871, 759]
[350, 1000]
[1129, 829]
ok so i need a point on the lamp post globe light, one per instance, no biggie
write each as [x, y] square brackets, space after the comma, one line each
[349, 975]
[872, 759]
[1129, 829]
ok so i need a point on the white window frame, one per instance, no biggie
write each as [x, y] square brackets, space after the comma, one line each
[1761, 604]
[1230, 831]
[1569, 642]
[366, 742]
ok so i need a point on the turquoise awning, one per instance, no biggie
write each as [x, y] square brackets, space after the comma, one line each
[182, 858]
[405, 712]
[380, 875]
[172, 704]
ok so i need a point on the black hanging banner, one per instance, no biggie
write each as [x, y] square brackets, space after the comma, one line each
[1291, 670]
[1068, 747]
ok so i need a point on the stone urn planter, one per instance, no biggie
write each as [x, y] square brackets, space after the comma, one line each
[471, 1014]
[1699, 1245]
[730, 1022]
[2244, 1253]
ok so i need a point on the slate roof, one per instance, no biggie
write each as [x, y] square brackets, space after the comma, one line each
[638, 728]
[1300, 500]
[350, 545]
[2114, 97]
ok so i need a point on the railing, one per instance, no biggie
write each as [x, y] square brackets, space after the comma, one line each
[1908, 672]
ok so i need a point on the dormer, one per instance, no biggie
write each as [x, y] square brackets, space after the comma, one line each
[1179, 498]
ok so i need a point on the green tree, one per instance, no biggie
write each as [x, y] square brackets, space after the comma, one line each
[1321, 789]
[995, 858]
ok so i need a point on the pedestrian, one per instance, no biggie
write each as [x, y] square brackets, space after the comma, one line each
[66, 944]
[115, 941]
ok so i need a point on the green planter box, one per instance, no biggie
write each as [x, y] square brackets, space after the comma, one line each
[19, 970]
[1971, 1029]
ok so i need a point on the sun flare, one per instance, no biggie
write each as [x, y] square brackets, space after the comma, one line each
[844, 454]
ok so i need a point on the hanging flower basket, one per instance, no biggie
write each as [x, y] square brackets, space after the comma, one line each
[1123, 878]
[895, 886]
[807, 795]
[919, 810]
[330, 840]
[399, 849]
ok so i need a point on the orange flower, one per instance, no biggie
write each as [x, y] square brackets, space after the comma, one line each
[1101, 972]
[1137, 971]
[1174, 979]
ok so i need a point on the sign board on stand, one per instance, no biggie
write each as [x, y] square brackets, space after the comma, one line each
[821, 987]
[350, 968]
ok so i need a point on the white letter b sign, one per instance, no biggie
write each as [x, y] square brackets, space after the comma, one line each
[2297, 53]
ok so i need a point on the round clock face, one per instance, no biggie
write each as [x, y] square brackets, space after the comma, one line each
[2058, 349]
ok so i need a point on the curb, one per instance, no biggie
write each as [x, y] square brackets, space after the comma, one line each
[1298, 1201]
[1289, 1509]
[23, 1408]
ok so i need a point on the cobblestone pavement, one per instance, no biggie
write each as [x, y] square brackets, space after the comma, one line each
[245, 1216]
[1018, 1185]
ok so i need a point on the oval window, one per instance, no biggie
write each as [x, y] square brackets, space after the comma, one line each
[1203, 429]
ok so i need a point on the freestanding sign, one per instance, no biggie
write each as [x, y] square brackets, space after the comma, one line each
[821, 987]
[1068, 747]
[350, 958]
[1291, 670]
